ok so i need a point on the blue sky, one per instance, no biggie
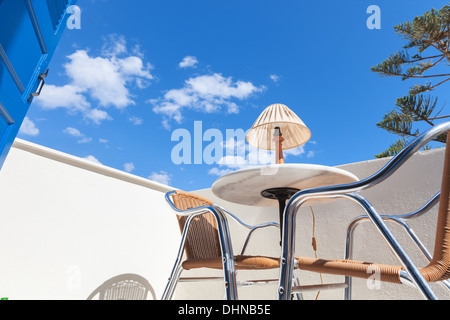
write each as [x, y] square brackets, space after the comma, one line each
[139, 70]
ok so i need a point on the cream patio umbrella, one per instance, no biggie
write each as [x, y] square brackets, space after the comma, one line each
[278, 128]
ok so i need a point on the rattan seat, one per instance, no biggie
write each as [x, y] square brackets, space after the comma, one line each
[241, 263]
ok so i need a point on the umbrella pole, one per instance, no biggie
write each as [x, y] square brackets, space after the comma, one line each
[278, 139]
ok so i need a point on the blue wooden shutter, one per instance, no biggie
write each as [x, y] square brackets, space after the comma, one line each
[57, 8]
[29, 33]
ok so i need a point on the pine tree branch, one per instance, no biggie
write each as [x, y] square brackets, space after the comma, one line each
[417, 107]
[392, 66]
[393, 149]
[430, 76]
[426, 58]
[400, 144]
[441, 117]
[441, 138]
[431, 88]
[397, 123]
[419, 88]
[439, 112]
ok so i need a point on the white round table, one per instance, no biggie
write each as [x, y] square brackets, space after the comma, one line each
[263, 185]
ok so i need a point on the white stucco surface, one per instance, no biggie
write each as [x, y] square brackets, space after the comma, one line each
[68, 225]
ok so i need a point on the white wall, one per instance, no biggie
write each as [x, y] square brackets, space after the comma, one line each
[68, 225]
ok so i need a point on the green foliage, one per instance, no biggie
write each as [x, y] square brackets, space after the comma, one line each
[429, 32]
[392, 66]
[393, 149]
[419, 88]
[398, 146]
[418, 107]
[429, 28]
[397, 123]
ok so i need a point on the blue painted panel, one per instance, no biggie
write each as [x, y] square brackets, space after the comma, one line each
[29, 33]
[56, 9]
[19, 41]
[5, 121]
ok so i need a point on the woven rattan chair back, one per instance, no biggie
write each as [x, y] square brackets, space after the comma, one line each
[124, 287]
[202, 238]
[439, 267]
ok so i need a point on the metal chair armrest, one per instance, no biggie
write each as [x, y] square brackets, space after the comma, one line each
[245, 225]
[252, 228]
[399, 219]
[257, 227]
[187, 212]
[424, 209]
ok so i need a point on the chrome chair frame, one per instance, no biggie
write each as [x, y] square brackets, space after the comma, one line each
[400, 220]
[219, 214]
[349, 191]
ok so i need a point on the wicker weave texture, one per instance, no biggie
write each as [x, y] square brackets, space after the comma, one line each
[439, 268]
[202, 239]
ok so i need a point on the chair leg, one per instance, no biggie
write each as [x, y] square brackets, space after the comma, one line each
[349, 255]
[445, 284]
[172, 283]
[296, 282]
[230, 279]
[348, 289]
[227, 255]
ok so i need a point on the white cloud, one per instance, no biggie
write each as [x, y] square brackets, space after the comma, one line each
[77, 134]
[133, 69]
[28, 128]
[85, 140]
[218, 86]
[97, 115]
[188, 62]
[136, 120]
[219, 172]
[128, 167]
[161, 177]
[114, 45]
[73, 132]
[275, 78]
[241, 155]
[93, 159]
[204, 93]
[294, 152]
[69, 97]
[232, 107]
[104, 80]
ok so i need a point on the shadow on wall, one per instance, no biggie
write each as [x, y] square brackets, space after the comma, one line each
[127, 286]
